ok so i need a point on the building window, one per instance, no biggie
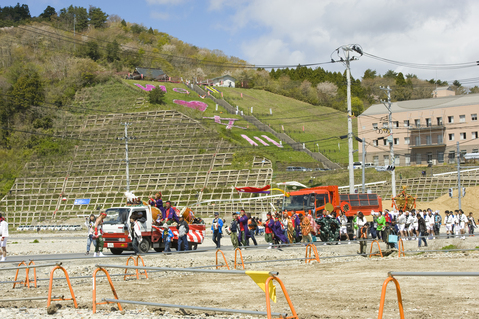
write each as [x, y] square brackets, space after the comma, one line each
[385, 142]
[418, 141]
[451, 136]
[474, 135]
[375, 126]
[406, 140]
[376, 160]
[375, 143]
[418, 158]
[474, 117]
[417, 122]
[396, 141]
[450, 119]
[463, 152]
[439, 121]
[462, 135]
[397, 160]
[386, 159]
[440, 157]
[462, 118]
[429, 157]
[439, 139]
[396, 123]
[428, 122]
[407, 160]
[428, 140]
[451, 157]
[406, 123]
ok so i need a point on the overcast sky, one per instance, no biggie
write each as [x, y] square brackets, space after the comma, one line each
[279, 32]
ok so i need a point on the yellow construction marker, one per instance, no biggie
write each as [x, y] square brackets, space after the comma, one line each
[259, 277]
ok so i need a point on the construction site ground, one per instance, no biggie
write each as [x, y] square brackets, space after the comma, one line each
[337, 287]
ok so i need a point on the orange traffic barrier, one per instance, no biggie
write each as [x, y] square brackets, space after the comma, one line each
[111, 286]
[401, 248]
[311, 248]
[224, 258]
[27, 279]
[135, 263]
[383, 296]
[371, 250]
[49, 301]
[241, 255]
[268, 301]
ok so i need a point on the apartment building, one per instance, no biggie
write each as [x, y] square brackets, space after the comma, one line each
[424, 131]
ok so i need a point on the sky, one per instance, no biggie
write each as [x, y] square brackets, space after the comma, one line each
[285, 32]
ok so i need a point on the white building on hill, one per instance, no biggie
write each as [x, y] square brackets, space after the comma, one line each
[224, 81]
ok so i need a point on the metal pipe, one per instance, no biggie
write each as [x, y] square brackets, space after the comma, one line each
[246, 312]
[27, 299]
[31, 266]
[233, 272]
[433, 274]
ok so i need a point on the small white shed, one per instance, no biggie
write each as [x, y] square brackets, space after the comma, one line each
[224, 81]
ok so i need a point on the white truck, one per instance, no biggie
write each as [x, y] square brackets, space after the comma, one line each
[116, 223]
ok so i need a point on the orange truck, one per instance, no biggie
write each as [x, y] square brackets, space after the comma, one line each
[317, 198]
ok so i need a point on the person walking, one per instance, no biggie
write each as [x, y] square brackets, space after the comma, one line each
[471, 224]
[305, 229]
[167, 236]
[244, 231]
[90, 224]
[297, 226]
[217, 229]
[135, 233]
[4, 236]
[252, 226]
[98, 235]
[268, 230]
[183, 230]
[422, 228]
[362, 232]
[234, 230]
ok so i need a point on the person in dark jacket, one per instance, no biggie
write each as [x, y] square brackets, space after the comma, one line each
[278, 230]
[244, 231]
[422, 228]
[234, 230]
[183, 230]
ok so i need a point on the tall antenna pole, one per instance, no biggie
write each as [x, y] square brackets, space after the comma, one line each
[459, 176]
[126, 138]
[346, 50]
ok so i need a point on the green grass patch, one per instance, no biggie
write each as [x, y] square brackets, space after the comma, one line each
[35, 241]
[448, 247]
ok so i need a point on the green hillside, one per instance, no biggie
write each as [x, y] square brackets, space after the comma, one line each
[322, 125]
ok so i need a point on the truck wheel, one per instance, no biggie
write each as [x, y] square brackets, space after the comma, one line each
[144, 246]
[192, 246]
[116, 251]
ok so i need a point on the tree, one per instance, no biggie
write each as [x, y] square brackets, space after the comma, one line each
[411, 76]
[48, 13]
[369, 74]
[27, 91]
[97, 17]
[150, 31]
[474, 89]
[123, 23]
[390, 74]
[112, 51]
[400, 81]
[74, 15]
[457, 83]
[157, 96]
[91, 50]
[357, 106]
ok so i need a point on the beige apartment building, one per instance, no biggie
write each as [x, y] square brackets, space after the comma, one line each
[424, 131]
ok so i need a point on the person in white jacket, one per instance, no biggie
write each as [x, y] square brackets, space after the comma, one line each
[4, 236]
[90, 224]
[135, 233]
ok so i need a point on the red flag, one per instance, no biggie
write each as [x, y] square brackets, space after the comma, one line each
[252, 189]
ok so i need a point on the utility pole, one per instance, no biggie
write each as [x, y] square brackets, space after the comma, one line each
[390, 138]
[458, 175]
[126, 138]
[74, 38]
[363, 166]
[346, 50]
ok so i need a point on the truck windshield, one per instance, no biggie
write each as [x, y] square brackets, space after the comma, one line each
[321, 200]
[298, 202]
[116, 216]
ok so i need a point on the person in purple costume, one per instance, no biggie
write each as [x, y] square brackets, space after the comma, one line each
[278, 230]
[170, 214]
[243, 236]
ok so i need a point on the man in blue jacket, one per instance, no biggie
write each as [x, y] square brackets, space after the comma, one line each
[216, 228]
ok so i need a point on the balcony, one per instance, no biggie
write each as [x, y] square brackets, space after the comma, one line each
[427, 146]
[420, 128]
